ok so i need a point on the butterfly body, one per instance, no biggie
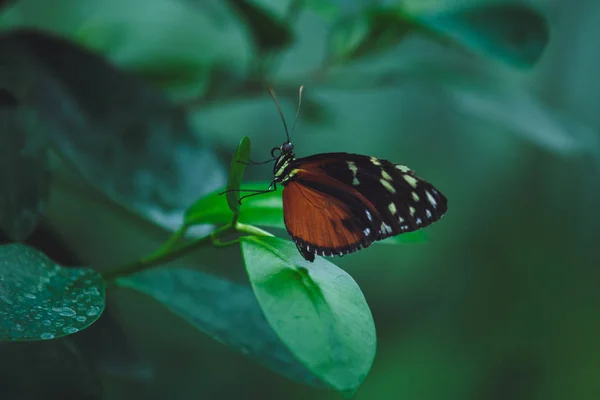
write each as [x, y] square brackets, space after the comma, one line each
[338, 203]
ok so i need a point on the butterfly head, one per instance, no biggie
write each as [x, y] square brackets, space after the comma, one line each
[287, 148]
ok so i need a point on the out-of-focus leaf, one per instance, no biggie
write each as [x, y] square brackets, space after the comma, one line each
[6, 3]
[316, 309]
[518, 111]
[7, 99]
[315, 112]
[51, 369]
[24, 173]
[269, 33]
[369, 32]
[263, 210]
[123, 136]
[324, 8]
[236, 173]
[226, 311]
[112, 351]
[40, 300]
[514, 33]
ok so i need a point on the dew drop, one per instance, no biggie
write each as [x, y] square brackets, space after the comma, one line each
[93, 311]
[70, 329]
[80, 319]
[30, 296]
[46, 336]
[46, 322]
[18, 328]
[92, 291]
[64, 311]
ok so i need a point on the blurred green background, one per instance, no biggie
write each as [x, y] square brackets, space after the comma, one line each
[498, 107]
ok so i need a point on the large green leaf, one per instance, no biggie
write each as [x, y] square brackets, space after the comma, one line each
[24, 182]
[514, 33]
[226, 311]
[316, 309]
[372, 31]
[41, 300]
[263, 210]
[147, 157]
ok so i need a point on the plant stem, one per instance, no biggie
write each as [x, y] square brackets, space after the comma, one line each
[170, 251]
[164, 254]
[251, 230]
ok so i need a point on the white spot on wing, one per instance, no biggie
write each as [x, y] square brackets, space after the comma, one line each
[367, 231]
[392, 208]
[428, 213]
[387, 185]
[419, 221]
[415, 196]
[385, 175]
[412, 211]
[375, 161]
[369, 215]
[354, 169]
[431, 199]
[410, 180]
[402, 168]
[385, 228]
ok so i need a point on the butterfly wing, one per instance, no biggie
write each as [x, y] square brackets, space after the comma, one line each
[337, 203]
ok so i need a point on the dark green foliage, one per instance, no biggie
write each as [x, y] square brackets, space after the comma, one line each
[495, 305]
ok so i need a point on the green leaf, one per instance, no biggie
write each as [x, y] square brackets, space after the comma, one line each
[236, 172]
[268, 32]
[24, 170]
[326, 9]
[41, 300]
[372, 31]
[148, 158]
[316, 309]
[6, 3]
[514, 33]
[24, 173]
[263, 210]
[226, 311]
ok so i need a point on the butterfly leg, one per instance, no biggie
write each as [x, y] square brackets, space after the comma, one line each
[272, 187]
[250, 162]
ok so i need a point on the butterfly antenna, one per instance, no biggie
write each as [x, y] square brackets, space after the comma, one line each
[298, 111]
[272, 93]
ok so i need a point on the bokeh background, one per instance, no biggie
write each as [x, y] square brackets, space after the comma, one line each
[501, 302]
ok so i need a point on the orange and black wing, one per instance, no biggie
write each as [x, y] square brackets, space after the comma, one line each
[337, 203]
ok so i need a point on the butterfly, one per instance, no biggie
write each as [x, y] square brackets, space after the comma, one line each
[338, 203]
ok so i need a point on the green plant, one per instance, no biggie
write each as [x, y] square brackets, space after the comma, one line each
[309, 322]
